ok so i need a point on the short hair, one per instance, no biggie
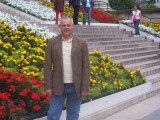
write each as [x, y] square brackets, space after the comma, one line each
[66, 17]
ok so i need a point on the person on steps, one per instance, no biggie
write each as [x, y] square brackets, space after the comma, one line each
[137, 19]
[87, 8]
[59, 8]
[70, 76]
[76, 5]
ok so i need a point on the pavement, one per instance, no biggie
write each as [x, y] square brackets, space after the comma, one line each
[146, 110]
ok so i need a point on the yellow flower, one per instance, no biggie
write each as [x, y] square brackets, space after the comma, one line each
[93, 81]
[5, 56]
[115, 82]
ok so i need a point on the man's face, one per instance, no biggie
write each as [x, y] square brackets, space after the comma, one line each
[66, 27]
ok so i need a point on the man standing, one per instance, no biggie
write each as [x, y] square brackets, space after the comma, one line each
[66, 72]
[76, 5]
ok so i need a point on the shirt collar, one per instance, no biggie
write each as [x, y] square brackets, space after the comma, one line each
[67, 40]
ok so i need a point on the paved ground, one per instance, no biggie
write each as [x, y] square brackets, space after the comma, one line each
[146, 110]
[153, 116]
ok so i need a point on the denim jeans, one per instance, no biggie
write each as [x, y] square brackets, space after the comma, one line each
[136, 24]
[89, 16]
[72, 105]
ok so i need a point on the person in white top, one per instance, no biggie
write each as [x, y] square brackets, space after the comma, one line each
[136, 13]
[87, 8]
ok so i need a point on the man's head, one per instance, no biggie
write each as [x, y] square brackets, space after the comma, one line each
[66, 26]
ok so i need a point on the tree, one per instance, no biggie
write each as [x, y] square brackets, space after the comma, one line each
[122, 4]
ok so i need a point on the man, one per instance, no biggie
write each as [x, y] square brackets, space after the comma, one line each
[76, 5]
[70, 74]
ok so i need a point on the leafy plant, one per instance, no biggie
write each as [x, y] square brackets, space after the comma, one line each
[122, 4]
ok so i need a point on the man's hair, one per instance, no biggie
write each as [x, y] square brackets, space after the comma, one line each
[66, 17]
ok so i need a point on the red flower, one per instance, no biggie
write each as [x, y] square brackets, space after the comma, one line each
[31, 77]
[2, 114]
[45, 101]
[35, 96]
[40, 85]
[15, 76]
[12, 90]
[2, 107]
[23, 103]
[10, 104]
[12, 86]
[34, 82]
[23, 93]
[3, 77]
[27, 90]
[1, 71]
[8, 72]
[22, 79]
[9, 81]
[12, 110]
[19, 108]
[42, 95]
[37, 107]
[5, 96]
[26, 116]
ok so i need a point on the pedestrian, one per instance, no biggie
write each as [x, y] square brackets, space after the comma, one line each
[70, 75]
[136, 18]
[59, 8]
[87, 8]
[76, 5]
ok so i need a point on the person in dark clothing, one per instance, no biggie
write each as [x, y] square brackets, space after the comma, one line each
[59, 8]
[76, 5]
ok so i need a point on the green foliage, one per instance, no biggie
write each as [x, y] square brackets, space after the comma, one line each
[122, 4]
[148, 6]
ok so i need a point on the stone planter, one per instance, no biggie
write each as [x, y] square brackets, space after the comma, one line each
[110, 100]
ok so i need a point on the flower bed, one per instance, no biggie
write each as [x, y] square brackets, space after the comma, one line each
[33, 8]
[97, 16]
[146, 26]
[14, 22]
[21, 96]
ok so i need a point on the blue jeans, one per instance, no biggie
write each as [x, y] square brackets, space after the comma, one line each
[89, 16]
[136, 24]
[72, 105]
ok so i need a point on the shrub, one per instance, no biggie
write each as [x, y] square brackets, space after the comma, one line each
[148, 6]
[122, 4]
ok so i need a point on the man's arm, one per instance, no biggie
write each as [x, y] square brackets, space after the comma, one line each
[48, 69]
[86, 70]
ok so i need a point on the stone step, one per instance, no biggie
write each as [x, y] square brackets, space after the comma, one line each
[101, 32]
[154, 78]
[139, 59]
[151, 70]
[114, 47]
[109, 38]
[143, 65]
[134, 54]
[107, 43]
[127, 50]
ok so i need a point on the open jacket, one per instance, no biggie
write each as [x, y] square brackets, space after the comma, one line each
[84, 3]
[80, 65]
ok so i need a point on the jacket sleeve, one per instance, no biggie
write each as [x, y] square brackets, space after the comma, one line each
[85, 68]
[48, 66]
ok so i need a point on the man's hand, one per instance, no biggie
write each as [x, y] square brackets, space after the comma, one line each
[49, 92]
[83, 94]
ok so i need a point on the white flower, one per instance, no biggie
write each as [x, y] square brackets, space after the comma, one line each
[14, 22]
[34, 8]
